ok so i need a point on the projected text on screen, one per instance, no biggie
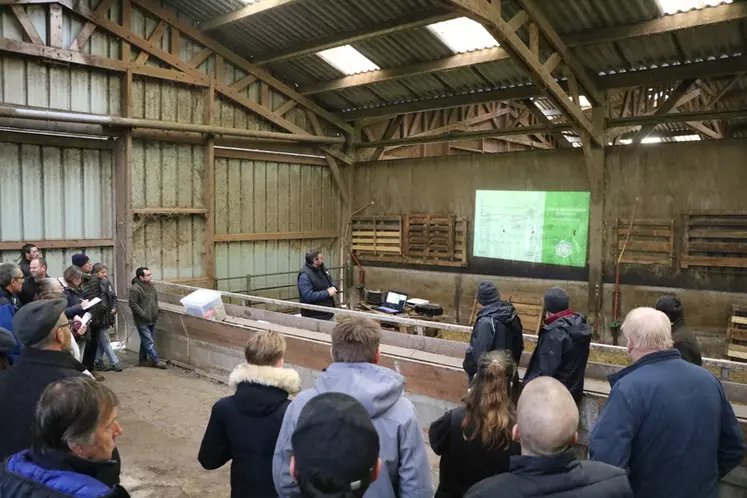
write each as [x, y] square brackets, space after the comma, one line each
[536, 227]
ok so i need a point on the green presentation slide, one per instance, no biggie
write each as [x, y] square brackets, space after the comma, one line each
[536, 227]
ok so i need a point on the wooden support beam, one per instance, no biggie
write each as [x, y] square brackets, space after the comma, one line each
[243, 13]
[666, 24]
[127, 24]
[542, 119]
[286, 108]
[123, 221]
[243, 64]
[388, 134]
[569, 59]
[200, 58]
[83, 36]
[209, 187]
[386, 28]
[28, 28]
[57, 244]
[341, 185]
[220, 69]
[176, 42]
[257, 237]
[672, 102]
[275, 157]
[168, 211]
[243, 83]
[154, 38]
[452, 62]
[95, 61]
[485, 12]
[264, 98]
[55, 25]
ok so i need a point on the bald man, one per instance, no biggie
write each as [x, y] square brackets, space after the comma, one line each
[667, 421]
[547, 420]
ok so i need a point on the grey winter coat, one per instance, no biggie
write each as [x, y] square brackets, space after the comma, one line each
[406, 472]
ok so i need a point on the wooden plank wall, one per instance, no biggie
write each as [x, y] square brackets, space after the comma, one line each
[55, 193]
[255, 197]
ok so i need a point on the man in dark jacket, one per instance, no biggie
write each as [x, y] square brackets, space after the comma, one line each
[11, 283]
[45, 333]
[245, 427]
[498, 326]
[315, 286]
[563, 344]
[144, 306]
[90, 290]
[546, 425]
[30, 290]
[28, 253]
[73, 451]
[667, 422]
[684, 340]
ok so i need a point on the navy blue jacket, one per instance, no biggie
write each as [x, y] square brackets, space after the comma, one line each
[8, 308]
[498, 327]
[669, 424]
[556, 476]
[312, 289]
[58, 475]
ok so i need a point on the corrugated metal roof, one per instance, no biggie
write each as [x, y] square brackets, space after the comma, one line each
[303, 21]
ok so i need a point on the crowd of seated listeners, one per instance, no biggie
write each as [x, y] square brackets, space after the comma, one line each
[667, 429]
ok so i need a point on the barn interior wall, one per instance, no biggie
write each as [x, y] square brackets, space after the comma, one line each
[668, 179]
[67, 193]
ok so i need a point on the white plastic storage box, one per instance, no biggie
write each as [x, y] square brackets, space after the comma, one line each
[204, 303]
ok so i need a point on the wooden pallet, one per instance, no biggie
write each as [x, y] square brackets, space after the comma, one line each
[413, 249]
[531, 310]
[736, 335]
[651, 241]
[429, 235]
[377, 236]
[715, 239]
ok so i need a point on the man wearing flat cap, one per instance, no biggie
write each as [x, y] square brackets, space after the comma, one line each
[44, 333]
[335, 448]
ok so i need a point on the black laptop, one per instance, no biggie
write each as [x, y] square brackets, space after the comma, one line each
[395, 303]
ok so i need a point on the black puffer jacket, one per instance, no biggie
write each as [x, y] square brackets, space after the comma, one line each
[556, 476]
[562, 352]
[244, 427]
[498, 326]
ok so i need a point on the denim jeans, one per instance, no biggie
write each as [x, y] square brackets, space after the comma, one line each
[147, 339]
[105, 348]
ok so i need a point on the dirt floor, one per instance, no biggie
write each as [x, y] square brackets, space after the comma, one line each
[164, 414]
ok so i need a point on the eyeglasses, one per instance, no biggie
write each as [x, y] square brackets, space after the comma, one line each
[69, 325]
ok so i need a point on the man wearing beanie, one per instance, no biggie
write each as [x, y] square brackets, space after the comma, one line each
[498, 326]
[47, 341]
[335, 448]
[563, 344]
[91, 289]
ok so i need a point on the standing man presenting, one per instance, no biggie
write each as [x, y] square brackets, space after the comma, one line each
[144, 306]
[315, 286]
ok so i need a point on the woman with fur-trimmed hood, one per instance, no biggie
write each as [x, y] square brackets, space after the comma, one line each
[244, 427]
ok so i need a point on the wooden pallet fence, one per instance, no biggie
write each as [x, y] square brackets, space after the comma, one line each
[736, 335]
[377, 236]
[428, 240]
[430, 235]
[715, 239]
[651, 241]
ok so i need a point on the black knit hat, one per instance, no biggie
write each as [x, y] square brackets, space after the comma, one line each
[34, 321]
[80, 259]
[335, 443]
[487, 293]
[557, 300]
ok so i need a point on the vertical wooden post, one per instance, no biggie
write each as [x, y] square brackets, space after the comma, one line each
[123, 229]
[127, 24]
[209, 186]
[123, 193]
[595, 166]
[55, 25]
